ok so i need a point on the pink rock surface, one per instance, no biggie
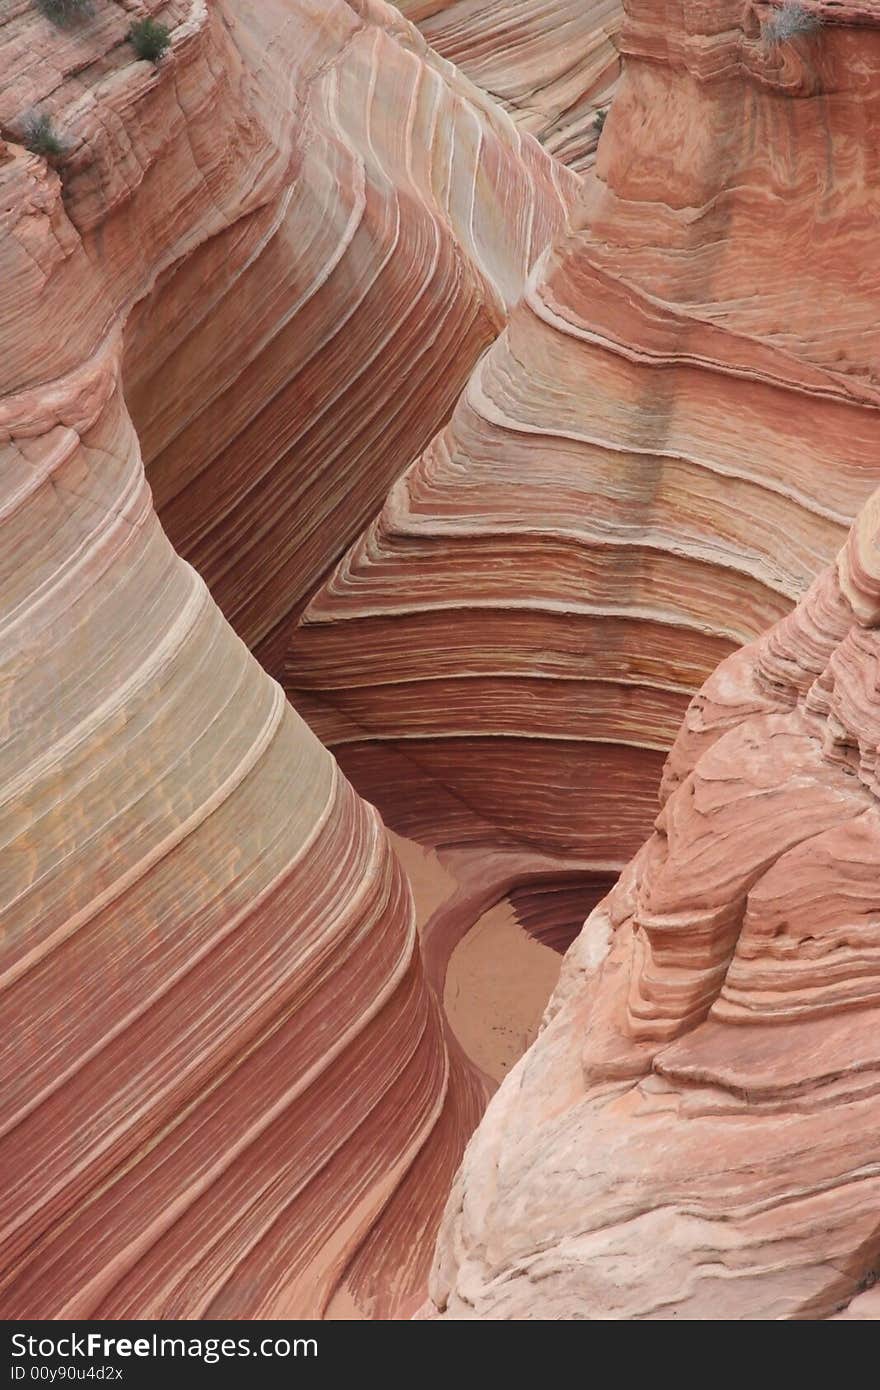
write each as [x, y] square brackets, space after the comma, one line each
[312, 225]
[322, 338]
[551, 63]
[222, 1062]
[250, 288]
[647, 469]
[694, 1134]
[190, 891]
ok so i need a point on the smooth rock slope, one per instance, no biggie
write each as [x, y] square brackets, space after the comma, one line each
[222, 1060]
[322, 338]
[252, 283]
[219, 1053]
[314, 226]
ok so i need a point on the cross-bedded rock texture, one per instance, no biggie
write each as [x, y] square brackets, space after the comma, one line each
[285, 243]
[694, 1134]
[551, 63]
[212, 995]
[315, 364]
[314, 226]
[647, 469]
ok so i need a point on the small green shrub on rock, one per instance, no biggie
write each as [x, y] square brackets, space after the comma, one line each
[63, 12]
[788, 22]
[40, 137]
[150, 39]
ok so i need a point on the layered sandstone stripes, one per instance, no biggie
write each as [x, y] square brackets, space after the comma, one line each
[320, 342]
[213, 998]
[694, 1134]
[222, 1061]
[226, 1089]
[320, 223]
[646, 470]
[551, 63]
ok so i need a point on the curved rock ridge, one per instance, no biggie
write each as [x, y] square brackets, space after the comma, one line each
[220, 1055]
[694, 1134]
[321, 225]
[321, 340]
[649, 466]
[190, 891]
[551, 63]
[221, 1060]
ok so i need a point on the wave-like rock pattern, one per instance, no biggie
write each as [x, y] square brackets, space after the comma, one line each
[320, 224]
[694, 1134]
[551, 63]
[213, 999]
[322, 339]
[221, 1058]
[647, 469]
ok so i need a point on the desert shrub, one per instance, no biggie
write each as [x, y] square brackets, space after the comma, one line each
[599, 120]
[150, 39]
[65, 11]
[40, 136]
[789, 21]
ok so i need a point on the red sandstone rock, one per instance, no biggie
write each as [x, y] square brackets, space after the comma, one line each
[552, 63]
[190, 892]
[694, 1134]
[321, 340]
[648, 468]
[226, 1082]
[313, 259]
[221, 1058]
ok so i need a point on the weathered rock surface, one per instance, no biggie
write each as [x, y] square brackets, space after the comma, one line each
[321, 225]
[647, 469]
[551, 63]
[278, 255]
[321, 339]
[219, 1053]
[694, 1134]
[222, 1059]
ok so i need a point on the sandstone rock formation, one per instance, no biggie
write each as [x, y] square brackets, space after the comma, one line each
[248, 284]
[649, 467]
[322, 225]
[213, 998]
[323, 332]
[645, 471]
[551, 63]
[695, 1132]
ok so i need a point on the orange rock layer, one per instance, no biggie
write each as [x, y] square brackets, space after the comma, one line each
[694, 1134]
[648, 467]
[277, 257]
[212, 992]
[312, 225]
[221, 1054]
[320, 340]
